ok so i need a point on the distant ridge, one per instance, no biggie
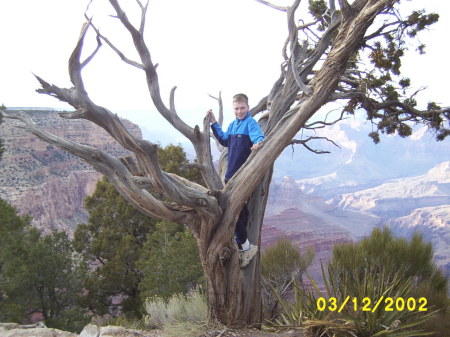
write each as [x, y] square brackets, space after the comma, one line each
[32, 108]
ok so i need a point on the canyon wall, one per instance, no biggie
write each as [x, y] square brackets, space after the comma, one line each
[46, 182]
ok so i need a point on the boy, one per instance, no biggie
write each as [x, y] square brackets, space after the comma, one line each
[242, 137]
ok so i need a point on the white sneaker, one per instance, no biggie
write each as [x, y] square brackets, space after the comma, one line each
[245, 256]
[245, 246]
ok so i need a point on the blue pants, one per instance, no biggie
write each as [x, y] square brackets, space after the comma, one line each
[240, 232]
[241, 226]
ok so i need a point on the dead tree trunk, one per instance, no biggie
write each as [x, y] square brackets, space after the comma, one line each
[234, 293]
[311, 76]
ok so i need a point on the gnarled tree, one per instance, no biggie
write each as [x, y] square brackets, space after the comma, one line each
[348, 51]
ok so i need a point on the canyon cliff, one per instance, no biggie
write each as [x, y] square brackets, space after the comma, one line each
[46, 182]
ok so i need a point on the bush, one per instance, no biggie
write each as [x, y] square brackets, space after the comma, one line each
[180, 315]
[378, 267]
[381, 252]
[281, 265]
[325, 315]
[39, 274]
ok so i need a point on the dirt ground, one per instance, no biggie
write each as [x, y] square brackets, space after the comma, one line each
[254, 333]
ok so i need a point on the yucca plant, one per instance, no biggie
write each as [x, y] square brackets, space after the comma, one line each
[344, 309]
[304, 312]
[381, 303]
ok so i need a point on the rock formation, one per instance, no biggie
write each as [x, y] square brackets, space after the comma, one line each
[308, 220]
[304, 230]
[413, 204]
[288, 195]
[91, 330]
[399, 197]
[434, 225]
[48, 183]
[419, 203]
[32, 330]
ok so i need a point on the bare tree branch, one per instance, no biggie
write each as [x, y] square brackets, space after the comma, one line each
[152, 77]
[113, 47]
[271, 5]
[198, 139]
[296, 49]
[88, 59]
[322, 124]
[145, 152]
[220, 102]
[305, 141]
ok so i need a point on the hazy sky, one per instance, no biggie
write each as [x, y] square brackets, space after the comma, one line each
[201, 46]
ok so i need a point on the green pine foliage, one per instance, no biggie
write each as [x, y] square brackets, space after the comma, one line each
[12, 228]
[112, 242]
[125, 248]
[281, 266]
[374, 74]
[173, 159]
[170, 262]
[39, 275]
[386, 96]
[383, 252]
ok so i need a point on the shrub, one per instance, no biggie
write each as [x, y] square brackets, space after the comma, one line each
[329, 317]
[281, 265]
[378, 267]
[180, 315]
[381, 252]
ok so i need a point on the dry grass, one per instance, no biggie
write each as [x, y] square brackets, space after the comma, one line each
[181, 315]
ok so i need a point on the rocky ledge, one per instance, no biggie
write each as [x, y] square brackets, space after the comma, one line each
[91, 330]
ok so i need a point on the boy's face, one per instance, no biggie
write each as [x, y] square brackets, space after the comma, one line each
[240, 109]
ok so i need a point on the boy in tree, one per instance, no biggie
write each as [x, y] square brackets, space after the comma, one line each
[242, 137]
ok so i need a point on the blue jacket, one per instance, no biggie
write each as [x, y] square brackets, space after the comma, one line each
[239, 138]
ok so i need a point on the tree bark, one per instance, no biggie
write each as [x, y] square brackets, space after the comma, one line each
[234, 293]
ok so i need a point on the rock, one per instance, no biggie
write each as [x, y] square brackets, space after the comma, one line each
[400, 197]
[304, 229]
[287, 195]
[92, 330]
[31, 330]
[49, 183]
[118, 331]
[433, 223]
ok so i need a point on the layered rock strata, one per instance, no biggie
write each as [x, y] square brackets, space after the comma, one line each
[46, 182]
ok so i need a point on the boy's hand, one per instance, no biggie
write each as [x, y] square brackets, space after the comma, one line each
[256, 146]
[212, 118]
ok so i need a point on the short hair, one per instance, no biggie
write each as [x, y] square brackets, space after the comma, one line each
[240, 98]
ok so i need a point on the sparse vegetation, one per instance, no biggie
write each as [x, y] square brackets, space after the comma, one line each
[281, 266]
[180, 315]
[378, 267]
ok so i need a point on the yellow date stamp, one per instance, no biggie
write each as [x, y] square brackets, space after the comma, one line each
[372, 305]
